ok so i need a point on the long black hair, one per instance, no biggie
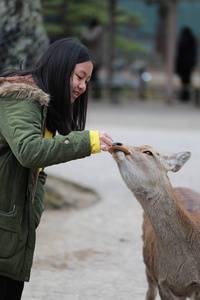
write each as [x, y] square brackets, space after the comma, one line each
[52, 74]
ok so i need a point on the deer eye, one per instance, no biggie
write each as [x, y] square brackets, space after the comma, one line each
[148, 153]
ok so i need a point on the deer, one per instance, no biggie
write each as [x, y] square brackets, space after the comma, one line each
[171, 221]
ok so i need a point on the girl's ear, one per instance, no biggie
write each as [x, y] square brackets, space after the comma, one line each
[176, 161]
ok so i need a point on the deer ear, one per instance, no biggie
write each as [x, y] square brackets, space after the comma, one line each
[176, 161]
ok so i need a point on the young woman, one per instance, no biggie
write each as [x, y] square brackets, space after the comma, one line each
[36, 103]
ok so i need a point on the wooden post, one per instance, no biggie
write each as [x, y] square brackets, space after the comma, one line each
[170, 52]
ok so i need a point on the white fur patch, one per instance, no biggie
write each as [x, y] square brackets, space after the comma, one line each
[120, 155]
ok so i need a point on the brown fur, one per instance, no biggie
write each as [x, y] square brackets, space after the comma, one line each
[171, 224]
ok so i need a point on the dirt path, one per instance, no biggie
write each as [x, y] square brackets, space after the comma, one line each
[96, 253]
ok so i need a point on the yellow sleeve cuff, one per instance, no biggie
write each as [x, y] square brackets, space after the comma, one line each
[48, 134]
[94, 142]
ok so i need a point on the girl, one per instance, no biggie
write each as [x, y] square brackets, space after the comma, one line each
[36, 103]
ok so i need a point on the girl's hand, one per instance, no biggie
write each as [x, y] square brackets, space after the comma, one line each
[105, 141]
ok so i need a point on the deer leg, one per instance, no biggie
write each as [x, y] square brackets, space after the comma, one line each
[152, 287]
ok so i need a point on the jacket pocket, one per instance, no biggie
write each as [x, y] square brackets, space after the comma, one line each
[10, 224]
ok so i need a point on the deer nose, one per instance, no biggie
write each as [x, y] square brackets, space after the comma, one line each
[117, 144]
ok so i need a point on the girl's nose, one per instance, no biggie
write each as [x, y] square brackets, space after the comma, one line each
[82, 87]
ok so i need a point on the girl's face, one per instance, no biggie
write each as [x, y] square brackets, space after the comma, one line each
[80, 78]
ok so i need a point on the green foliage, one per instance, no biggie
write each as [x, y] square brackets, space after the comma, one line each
[53, 29]
[85, 10]
[126, 45]
[128, 19]
[135, 20]
[69, 17]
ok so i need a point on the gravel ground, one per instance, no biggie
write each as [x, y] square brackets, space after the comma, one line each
[96, 253]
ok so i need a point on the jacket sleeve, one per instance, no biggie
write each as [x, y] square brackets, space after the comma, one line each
[21, 126]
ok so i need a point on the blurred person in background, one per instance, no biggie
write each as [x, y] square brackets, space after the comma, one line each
[186, 60]
[92, 37]
[42, 119]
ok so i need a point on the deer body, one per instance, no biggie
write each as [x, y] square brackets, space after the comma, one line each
[171, 224]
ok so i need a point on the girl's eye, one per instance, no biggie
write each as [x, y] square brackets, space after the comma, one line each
[148, 153]
[80, 78]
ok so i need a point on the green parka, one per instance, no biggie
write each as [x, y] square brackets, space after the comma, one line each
[23, 111]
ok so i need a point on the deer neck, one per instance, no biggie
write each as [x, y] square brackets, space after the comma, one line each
[169, 219]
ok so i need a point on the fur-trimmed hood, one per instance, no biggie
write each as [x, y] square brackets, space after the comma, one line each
[18, 87]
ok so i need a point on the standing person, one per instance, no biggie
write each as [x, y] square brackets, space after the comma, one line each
[36, 103]
[186, 59]
[92, 37]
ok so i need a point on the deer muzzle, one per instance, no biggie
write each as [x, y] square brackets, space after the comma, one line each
[119, 147]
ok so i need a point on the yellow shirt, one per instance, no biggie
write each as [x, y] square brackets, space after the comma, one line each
[48, 134]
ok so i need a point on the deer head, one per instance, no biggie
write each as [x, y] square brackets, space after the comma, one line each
[143, 167]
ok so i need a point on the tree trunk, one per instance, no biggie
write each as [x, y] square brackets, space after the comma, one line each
[161, 34]
[22, 36]
[170, 58]
[110, 56]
